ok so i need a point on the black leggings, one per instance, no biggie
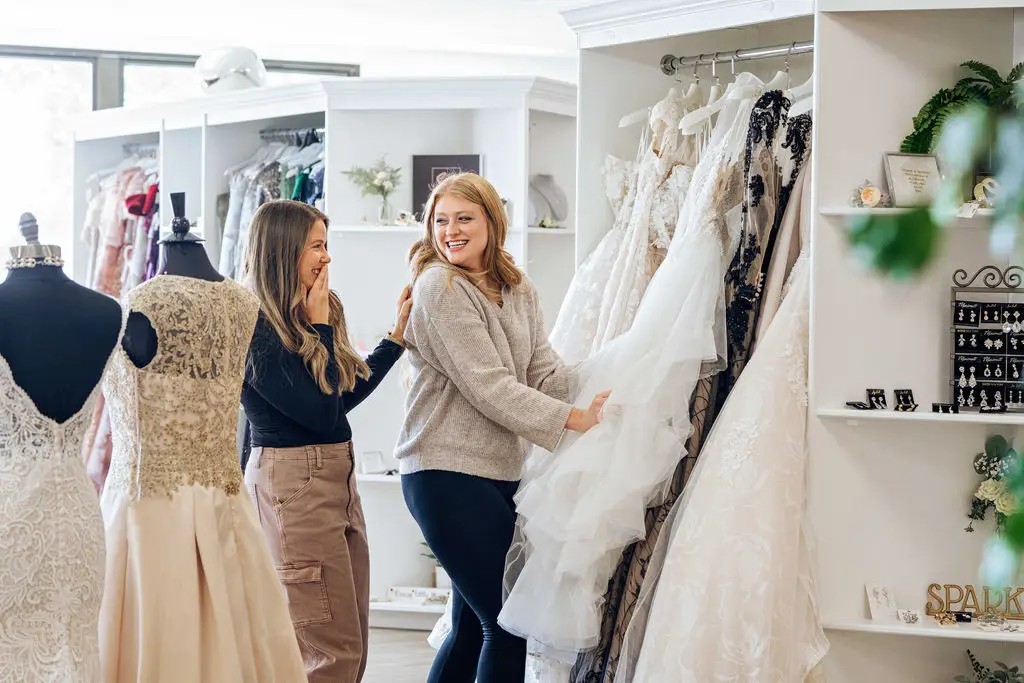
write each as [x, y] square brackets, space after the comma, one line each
[468, 522]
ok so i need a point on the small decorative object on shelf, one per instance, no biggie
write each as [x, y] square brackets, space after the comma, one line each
[876, 397]
[945, 618]
[913, 179]
[868, 196]
[908, 616]
[858, 405]
[983, 674]
[405, 218]
[986, 191]
[905, 401]
[549, 223]
[379, 180]
[962, 617]
[945, 408]
[996, 462]
[881, 602]
[990, 621]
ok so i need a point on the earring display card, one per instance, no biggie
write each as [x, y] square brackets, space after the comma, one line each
[993, 368]
[991, 340]
[945, 408]
[991, 397]
[991, 313]
[876, 399]
[966, 397]
[905, 401]
[1015, 344]
[968, 314]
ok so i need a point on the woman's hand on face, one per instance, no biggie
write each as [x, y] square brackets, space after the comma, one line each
[583, 421]
[318, 300]
[404, 307]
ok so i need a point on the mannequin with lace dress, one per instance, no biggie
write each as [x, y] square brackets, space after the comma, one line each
[191, 591]
[51, 530]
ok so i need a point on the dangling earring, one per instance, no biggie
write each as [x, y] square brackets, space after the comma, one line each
[972, 382]
[988, 371]
[963, 378]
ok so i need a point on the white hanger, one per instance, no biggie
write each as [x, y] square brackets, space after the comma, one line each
[802, 97]
[716, 87]
[780, 81]
[693, 123]
[256, 158]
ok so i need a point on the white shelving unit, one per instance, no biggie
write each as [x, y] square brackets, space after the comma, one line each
[520, 126]
[885, 507]
[928, 630]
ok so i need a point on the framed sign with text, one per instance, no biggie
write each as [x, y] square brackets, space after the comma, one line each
[913, 179]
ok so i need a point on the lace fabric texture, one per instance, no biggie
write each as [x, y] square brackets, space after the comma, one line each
[51, 543]
[752, 617]
[580, 508]
[174, 420]
[191, 591]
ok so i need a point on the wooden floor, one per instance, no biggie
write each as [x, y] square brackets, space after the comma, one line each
[398, 656]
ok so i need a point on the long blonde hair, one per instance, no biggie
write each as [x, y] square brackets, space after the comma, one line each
[277, 238]
[499, 266]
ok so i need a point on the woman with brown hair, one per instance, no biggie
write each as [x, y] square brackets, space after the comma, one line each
[301, 380]
[486, 384]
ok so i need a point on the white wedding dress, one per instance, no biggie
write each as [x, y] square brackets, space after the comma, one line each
[51, 543]
[581, 506]
[735, 599]
[605, 292]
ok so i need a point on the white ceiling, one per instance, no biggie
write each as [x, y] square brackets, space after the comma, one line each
[321, 30]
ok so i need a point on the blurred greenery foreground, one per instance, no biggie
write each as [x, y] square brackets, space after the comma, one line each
[975, 128]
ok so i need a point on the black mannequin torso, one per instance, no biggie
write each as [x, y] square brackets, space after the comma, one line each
[56, 336]
[187, 259]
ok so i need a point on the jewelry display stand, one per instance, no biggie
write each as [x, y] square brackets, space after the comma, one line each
[987, 340]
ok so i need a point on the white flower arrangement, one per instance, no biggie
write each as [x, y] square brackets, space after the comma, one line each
[995, 464]
[379, 179]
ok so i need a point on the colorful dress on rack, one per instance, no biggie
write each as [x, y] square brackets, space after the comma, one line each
[51, 543]
[191, 591]
[579, 509]
[736, 598]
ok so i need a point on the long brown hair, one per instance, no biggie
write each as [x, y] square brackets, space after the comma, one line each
[277, 238]
[499, 266]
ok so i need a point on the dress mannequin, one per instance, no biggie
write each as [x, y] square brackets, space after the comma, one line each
[180, 254]
[64, 331]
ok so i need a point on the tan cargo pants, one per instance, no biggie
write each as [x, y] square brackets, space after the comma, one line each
[313, 521]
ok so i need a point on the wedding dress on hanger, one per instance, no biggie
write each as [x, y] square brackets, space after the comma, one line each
[735, 599]
[606, 290]
[580, 507]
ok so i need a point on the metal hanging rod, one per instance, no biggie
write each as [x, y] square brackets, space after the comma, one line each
[292, 135]
[670, 63]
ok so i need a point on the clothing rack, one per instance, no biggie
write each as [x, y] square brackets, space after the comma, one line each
[294, 136]
[670, 64]
[141, 149]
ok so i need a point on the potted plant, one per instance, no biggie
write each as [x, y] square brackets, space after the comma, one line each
[441, 578]
[984, 674]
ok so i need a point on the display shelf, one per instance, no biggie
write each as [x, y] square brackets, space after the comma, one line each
[379, 478]
[926, 630]
[853, 416]
[888, 211]
[384, 606]
[379, 229]
[537, 230]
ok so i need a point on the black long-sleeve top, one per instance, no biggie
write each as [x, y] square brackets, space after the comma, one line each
[284, 404]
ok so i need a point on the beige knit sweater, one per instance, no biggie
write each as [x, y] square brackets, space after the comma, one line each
[485, 380]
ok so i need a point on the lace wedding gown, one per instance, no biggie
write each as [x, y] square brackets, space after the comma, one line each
[603, 297]
[191, 592]
[735, 599]
[580, 507]
[51, 543]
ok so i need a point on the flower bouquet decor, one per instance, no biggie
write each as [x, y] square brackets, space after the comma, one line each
[380, 180]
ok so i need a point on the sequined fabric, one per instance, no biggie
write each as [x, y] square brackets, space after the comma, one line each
[174, 420]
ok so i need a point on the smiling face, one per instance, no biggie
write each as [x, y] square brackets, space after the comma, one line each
[461, 232]
[314, 255]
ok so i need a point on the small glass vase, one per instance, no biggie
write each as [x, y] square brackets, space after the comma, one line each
[384, 215]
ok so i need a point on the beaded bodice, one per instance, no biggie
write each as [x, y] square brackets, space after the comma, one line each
[174, 421]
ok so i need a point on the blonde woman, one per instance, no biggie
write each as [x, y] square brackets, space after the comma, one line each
[302, 378]
[486, 384]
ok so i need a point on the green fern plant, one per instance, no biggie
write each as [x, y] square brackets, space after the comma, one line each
[984, 87]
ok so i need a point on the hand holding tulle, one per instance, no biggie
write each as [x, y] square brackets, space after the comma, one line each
[583, 421]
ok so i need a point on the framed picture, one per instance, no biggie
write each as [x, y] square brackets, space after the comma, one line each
[913, 179]
[881, 602]
[430, 169]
